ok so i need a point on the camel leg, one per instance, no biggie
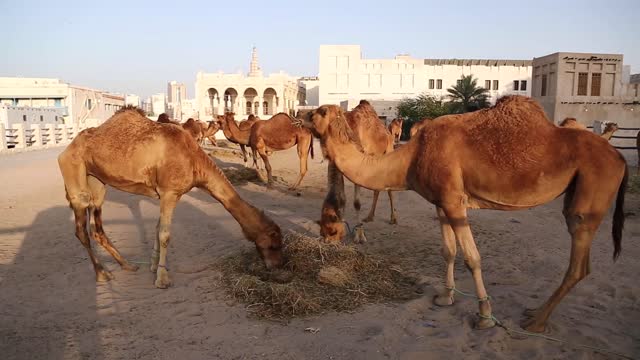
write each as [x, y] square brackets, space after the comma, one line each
[98, 191]
[356, 198]
[372, 212]
[457, 215]
[303, 153]
[267, 166]
[449, 254]
[244, 154]
[255, 158]
[168, 203]
[393, 219]
[80, 214]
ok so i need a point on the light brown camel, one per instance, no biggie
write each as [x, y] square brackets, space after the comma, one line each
[507, 157]
[194, 129]
[417, 126]
[375, 140]
[608, 131]
[572, 123]
[280, 133]
[208, 131]
[134, 154]
[395, 128]
[237, 133]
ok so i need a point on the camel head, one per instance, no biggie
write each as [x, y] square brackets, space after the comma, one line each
[568, 122]
[610, 127]
[163, 118]
[332, 228]
[269, 244]
[324, 119]
[213, 128]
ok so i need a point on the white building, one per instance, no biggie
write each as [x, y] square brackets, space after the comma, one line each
[158, 104]
[250, 94]
[131, 99]
[344, 75]
[311, 85]
[10, 115]
[176, 92]
[78, 105]
[189, 109]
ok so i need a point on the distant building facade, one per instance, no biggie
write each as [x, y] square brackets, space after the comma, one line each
[247, 94]
[587, 86]
[345, 75]
[131, 99]
[158, 104]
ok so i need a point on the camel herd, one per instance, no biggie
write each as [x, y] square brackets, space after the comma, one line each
[507, 157]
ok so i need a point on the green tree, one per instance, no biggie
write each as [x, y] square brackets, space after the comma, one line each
[467, 96]
[421, 107]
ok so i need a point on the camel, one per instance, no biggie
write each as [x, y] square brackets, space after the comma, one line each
[237, 133]
[572, 123]
[280, 133]
[134, 154]
[608, 131]
[208, 131]
[375, 140]
[417, 126]
[507, 157]
[395, 128]
[194, 129]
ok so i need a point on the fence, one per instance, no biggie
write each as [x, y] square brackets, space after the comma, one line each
[18, 137]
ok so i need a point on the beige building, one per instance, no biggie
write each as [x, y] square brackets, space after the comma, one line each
[78, 105]
[176, 92]
[247, 94]
[590, 87]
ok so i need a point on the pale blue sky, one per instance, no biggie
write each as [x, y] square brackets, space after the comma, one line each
[137, 46]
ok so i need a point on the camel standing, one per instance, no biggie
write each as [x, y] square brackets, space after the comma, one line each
[208, 131]
[237, 133]
[136, 155]
[395, 128]
[507, 157]
[608, 131]
[374, 140]
[280, 133]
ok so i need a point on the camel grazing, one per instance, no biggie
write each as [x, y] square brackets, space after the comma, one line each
[280, 133]
[237, 133]
[507, 157]
[608, 131]
[395, 128]
[375, 140]
[134, 154]
[572, 123]
[417, 126]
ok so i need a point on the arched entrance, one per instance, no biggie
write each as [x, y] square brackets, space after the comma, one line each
[270, 103]
[250, 95]
[230, 100]
[214, 101]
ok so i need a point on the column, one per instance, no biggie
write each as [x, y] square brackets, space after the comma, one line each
[64, 136]
[51, 130]
[19, 133]
[258, 108]
[3, 137]
[36, 135]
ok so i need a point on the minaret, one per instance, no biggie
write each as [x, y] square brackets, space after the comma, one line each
[254, 69]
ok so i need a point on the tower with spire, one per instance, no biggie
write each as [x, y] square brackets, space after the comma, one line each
[254, 69]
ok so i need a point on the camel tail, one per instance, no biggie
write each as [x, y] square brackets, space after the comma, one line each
[618, 215]
[311, 146]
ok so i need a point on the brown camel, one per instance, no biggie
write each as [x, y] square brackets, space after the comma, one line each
[395, 128]
[194, 129]
[280, 133]
[572, 123]
[417, 126]
[507, 157]
[375, 140]
[237, 133]
[608, 131]
[208, 131]
[133, 154]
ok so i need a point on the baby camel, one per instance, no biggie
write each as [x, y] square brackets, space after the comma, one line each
[139, 156]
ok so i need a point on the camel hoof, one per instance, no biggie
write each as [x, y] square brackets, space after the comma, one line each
[530, 313]
[443, 300]
[163, 282]
[129, 267]
[532, 325]
[393, 221]
[484, 323]
[104, 276]
[368, 219]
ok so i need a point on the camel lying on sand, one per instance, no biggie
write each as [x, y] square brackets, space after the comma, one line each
[281, 132]
[507, 157]
[139, 156]
[375, 140]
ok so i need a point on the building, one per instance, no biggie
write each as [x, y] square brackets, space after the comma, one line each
[587, 86]
[247, 94]
[345, 75]
[176, 92]
[146, 106]
[311, 85]
[158, 104]
[131, 99]
[189, 109]
[77, 105]
[10, 115]
[634, 84]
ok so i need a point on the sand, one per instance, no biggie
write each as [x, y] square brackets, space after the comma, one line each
[52, 308]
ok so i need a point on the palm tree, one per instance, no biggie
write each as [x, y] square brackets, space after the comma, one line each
[467, 96]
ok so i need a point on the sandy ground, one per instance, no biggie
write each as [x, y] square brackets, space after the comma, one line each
[52, 308]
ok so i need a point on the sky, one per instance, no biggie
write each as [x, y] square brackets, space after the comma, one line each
[138, 46]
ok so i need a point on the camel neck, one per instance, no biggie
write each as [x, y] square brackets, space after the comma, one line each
[387, 172]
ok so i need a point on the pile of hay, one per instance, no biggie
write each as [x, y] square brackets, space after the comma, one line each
[241, 175]
[316, 278]
[221, 153]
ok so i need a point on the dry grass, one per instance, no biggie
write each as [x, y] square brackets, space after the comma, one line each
[241, 175]
[316, 278]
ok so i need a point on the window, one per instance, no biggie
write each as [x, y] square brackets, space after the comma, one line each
[516, 84]
[582, 83]
[248, 108]
[523, 85]
[487, 84]
[439, 84]
[24, 117]
[495, 84]
[88, 104]
[543, 86]
[431, 83]
[595, 84]
[265, 106]
[41, 118]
